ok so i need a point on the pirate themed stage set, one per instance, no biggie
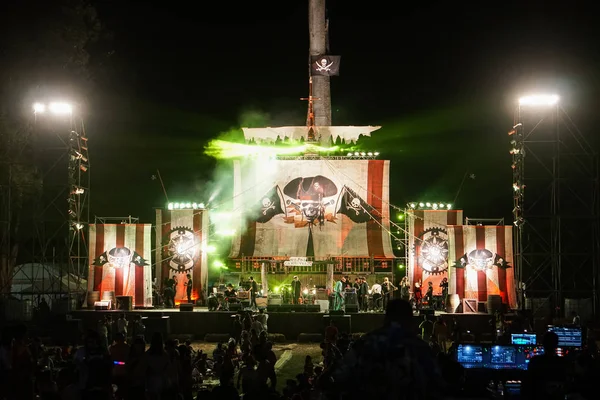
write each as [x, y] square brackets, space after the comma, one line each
[305, 223]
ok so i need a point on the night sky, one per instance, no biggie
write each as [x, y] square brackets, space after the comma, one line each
[441, 79]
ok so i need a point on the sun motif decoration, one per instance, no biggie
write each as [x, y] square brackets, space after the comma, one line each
[182, 250]
[434, 251]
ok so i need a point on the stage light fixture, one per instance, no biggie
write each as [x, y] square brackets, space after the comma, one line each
[539, 100]
[448, 206]
[356, 154]
[363, 154]
[428, 204]
[412, 205]
[370, 154]
[376, 153]
[349, 154]
[434, 206]
[170, 206]
[421, 204]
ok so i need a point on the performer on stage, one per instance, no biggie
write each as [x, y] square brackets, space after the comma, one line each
[339, 291]
[188, 287]
[388, 288]
[444, 286]
[376, 293]
[405, 289]
[429, 295]
[362, 293]
[253, 292]
[296, 290]
[418, 295]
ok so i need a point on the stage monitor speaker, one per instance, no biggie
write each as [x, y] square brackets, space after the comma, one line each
[125, 303]
[297, 308]
[351, 308]
[235, 307]
[274, 308]
[313, 308]
[186, 307]
[351, 299]
[337, 312]
[426, 311]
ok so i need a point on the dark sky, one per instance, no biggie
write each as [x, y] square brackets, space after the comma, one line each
[441, 79]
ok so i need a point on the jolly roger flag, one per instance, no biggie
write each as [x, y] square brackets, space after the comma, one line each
[269, 206]
[352, 206]
[325, 65]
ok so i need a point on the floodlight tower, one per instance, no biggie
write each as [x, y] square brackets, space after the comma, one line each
[555, 205]
[64, 214]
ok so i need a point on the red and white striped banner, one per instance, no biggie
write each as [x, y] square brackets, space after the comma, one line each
[120, 261]
[428, 245]
[485, 257]
[181, 243]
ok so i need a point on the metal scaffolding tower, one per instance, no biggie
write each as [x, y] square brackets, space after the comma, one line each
[556, 203]
[53, 256]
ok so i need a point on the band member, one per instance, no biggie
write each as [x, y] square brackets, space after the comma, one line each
[230, 292]
[444, 286]
[296, 290]
[188, 287]
[418, 295]
[429, 294]
[356, 284]
[339, 292]
[387, 288]
[362, 293]
[376, 293]
[253, 292]
[405, 289]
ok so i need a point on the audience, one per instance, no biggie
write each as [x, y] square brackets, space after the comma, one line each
[390, 362]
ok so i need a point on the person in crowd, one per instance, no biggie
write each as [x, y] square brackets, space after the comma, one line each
[119, 354]
[547, 374]
[158, 382]
[226, 390]
[122, 324]
[440, 334]
[391, 359]
[135, 367]
[139, 329]
[331, 333]
[426, 328]
[576, 319]
[263, 318]
[94, 368]
[102, 330]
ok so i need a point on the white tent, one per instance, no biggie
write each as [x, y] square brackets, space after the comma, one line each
[35, 278]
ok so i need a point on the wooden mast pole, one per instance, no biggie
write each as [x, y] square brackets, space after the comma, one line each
[317, 26]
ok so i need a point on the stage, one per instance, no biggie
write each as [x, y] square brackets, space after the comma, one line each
[201, 322]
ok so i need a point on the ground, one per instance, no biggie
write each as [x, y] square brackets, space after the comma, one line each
[290, 358]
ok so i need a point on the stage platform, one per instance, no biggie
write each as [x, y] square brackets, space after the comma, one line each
[201, 322]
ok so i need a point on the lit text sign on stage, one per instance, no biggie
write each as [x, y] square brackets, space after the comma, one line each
[298, 262]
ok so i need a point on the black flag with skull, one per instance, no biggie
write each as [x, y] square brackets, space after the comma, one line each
[269, 205]
[325, 65]
[353, 206]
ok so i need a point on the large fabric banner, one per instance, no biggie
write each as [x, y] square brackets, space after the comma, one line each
[428, 245]
[312, 208]
[481, 263]
[181, 243]
[120, 258]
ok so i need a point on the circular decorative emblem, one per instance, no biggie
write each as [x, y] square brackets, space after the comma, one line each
[481, 259]
[434, 250]
[120, 257]
[182, 250]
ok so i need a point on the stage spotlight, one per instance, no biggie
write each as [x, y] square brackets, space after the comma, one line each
[39, 108]
[170, 206]
[539, 100]
[421, 204]
[376, 153]
[434, 206]
[363, 154]
[59, 108]
[201, 205]
[370, 154]
[356, 154]
[428, 204]
[349, 154]
[448, 206]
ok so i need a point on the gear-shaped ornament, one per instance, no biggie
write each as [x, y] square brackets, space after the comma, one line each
[181, 250]
[434, 250]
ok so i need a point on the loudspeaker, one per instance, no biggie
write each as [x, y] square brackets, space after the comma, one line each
[426, 311]
[125, 303]
[297, 308]
[274, 308]
[235, 307]
[312, 308]
[336, 312]
[351, 308]
[186, 307]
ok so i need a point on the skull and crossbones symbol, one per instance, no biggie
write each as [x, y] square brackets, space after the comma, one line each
[322, 66]
[267, 204]
[354, 204]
